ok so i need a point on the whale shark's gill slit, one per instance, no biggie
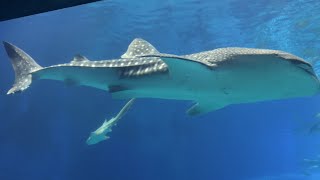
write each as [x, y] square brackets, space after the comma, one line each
[144, 69]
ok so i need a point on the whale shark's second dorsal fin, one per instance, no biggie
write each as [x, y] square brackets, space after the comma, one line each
[139, 47]
[79, 58]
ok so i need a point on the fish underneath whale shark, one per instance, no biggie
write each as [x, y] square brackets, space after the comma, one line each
[101, 133]
[213, 79]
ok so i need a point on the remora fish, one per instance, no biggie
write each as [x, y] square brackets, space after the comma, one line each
[101, 133]
[213, 79]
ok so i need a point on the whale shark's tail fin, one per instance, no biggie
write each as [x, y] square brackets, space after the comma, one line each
[23, 65]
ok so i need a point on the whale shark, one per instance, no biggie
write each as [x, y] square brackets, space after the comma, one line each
[212, 79]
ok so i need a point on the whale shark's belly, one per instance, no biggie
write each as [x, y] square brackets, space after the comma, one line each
[253, 81]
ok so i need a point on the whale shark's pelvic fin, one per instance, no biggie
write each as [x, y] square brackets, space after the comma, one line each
[203, 107]
[139, 47]
[23, 65]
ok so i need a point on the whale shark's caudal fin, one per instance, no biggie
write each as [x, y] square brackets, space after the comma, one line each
[23, 65]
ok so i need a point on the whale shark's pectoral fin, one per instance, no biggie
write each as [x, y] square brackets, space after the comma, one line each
[204, 107]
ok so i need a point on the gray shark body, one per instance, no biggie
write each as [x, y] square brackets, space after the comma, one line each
[213, 79]
[101, 133]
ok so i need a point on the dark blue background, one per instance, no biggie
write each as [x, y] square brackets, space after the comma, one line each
[43, 130]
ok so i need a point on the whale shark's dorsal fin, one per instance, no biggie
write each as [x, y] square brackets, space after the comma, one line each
[139, 47]
[79, 58]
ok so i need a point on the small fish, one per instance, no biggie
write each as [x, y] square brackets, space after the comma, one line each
[101, 133]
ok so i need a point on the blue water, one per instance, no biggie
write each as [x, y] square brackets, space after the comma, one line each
[43, 130]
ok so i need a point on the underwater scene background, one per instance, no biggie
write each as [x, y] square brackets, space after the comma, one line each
[44, 129]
